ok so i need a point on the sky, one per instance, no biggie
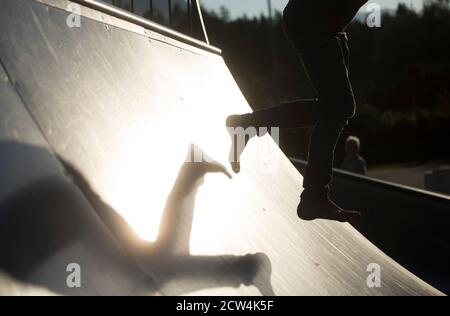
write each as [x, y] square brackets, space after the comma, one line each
[255, 7]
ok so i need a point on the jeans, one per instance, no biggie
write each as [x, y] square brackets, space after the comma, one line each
[326, 62]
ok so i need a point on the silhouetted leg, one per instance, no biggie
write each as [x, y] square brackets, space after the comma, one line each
[327, 65]
[290, 115]
[296, 114]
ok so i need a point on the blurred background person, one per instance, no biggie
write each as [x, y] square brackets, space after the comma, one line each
[353, 162]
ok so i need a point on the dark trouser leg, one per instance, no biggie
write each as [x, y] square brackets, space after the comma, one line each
[327, 66]
[326, 63]
[318, 173]
[296, 114]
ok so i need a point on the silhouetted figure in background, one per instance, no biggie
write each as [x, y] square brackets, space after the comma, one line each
[353, 162]
[315, 28]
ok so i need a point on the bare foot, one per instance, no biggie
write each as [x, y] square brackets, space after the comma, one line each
[310, 210]
[240, 136]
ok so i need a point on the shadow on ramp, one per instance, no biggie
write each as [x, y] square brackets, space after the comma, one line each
[43, 218]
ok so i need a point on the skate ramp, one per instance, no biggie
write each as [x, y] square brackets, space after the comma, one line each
[96, 125]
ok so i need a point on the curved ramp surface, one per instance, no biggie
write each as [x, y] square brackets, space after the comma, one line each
[95, 128]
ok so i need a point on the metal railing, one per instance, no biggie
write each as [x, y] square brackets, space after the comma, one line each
[154, 13]
[144, 21]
